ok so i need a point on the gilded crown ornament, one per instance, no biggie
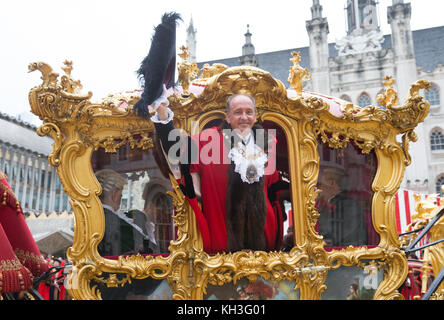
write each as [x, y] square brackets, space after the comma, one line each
[389, 98]
[298, 75]
[187, 70]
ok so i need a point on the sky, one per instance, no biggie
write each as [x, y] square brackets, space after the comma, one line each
[107, 39]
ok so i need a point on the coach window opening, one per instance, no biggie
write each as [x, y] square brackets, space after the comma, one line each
[141, 204]
[279, 194]
[345, 203]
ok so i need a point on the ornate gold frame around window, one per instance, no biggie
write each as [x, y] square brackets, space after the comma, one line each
[79, 127]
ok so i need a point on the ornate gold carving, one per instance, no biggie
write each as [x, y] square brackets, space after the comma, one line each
[414, 110]
[56, 135]
[122, 99]
[438, 296]
[269, 93]
[349, 110]
[112, 281]
[187, 70]
[390, 97]
[208, 71]
[298, 74]
[67, 82]
[48, 76]
[111, 144]
[424, 208]
[78, 127]
[274, 266]
[406, 117]
[433, 257]
[184, 221]
[50, 100]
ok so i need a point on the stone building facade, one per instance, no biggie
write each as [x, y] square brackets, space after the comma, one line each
[353, 69]
[24, 159]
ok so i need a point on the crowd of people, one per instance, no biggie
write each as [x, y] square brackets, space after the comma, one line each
[53, 287]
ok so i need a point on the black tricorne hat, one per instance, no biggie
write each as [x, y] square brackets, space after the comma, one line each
[159, 66]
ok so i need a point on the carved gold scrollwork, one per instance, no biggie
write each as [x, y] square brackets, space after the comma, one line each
[222, 269]
[389, 98]
[78, 282]
[437, 251]
[184, 221]
[209, 71]
[67, 82]
[56, 135]
[111, 281]
[433, 256]
[111, 144]
[187, 70]
[48, 76]
[316, 104]
[406, 138]
[159, 267]
[414, 110]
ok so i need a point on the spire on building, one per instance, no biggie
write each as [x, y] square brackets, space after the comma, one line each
[317, 29]
[399, 16]
[317, 23]
[362, 16]
[316, 10]
[248, 47]
[248, 57]
[398, 11]
[191, 40]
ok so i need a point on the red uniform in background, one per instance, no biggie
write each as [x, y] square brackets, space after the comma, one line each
[54, 288]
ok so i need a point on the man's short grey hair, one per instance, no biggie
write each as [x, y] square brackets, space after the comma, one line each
[110, 181]
[230, 98]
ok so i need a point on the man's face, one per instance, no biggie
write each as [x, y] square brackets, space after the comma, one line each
[242, 114]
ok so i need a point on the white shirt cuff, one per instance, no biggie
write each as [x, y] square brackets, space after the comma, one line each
[159, 101]
[155, 118]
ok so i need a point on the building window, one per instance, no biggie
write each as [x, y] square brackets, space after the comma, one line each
[22, 174]
[437, 140]
[346, 98]
[439, 184]
[14, 171]
[351, 16]
[364, 100]
[432, 96]
[6, 168]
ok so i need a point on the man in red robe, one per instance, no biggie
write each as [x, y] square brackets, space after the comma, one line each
[230, 173]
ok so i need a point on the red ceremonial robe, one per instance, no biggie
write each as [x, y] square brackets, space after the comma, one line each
[20, 258]
[14, 277]
[17, 230]
[212, 168]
